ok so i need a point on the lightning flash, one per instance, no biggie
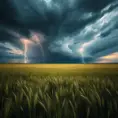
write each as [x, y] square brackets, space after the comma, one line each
[25, 42]
[35, 39]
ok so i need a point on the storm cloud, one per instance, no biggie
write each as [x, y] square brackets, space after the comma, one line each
[75, 31]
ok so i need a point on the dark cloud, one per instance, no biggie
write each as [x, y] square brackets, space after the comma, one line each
[6, 37]
[60, 58]
[94, 5]
[69, 26]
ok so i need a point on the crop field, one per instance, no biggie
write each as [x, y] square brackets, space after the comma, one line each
[58, 91]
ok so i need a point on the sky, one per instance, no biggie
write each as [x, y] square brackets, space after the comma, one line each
[59, 31]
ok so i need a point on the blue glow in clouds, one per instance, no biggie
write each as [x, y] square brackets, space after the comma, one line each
[91, 40]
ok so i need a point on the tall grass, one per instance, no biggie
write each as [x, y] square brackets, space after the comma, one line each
[55, 96]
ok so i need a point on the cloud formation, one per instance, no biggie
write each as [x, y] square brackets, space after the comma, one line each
[112, 58]
[77, 30]
[95, 38]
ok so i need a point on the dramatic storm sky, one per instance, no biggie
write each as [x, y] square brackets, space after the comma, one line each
[58, 31]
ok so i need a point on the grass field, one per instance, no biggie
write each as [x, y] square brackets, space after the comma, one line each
[58, 91]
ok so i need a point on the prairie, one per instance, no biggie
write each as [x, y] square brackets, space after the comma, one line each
[58, 90]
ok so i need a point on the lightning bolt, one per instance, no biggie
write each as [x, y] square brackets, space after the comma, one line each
[26, 42]
[81, 51]
[35, 39]
[25, 51]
